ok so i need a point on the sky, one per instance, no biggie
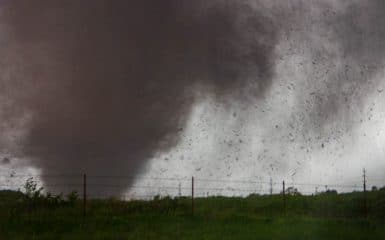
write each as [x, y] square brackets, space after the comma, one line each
[220, 90]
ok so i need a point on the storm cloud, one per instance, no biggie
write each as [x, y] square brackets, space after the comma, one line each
[101, 86]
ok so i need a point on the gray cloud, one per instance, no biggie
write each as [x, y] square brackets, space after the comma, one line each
[101, 86]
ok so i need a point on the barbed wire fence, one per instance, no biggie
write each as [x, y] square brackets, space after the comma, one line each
[125, 188]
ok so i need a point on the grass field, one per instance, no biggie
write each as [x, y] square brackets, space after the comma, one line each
[325, 216]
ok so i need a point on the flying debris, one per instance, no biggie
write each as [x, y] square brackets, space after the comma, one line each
[6, 161]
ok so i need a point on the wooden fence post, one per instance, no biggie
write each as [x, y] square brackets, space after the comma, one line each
[284, 198]
[192, 196]
[84, 195]
[365, 198]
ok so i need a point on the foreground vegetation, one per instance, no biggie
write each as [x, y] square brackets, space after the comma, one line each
[33, 215]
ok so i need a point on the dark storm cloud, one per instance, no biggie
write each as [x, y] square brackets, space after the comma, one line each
[102, 86]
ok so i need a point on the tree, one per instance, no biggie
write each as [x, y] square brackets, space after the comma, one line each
[292, 191]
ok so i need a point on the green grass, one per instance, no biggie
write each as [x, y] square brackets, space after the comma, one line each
[324, 216]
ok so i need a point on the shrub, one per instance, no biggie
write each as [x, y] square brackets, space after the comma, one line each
[31, 189]
[72, 197]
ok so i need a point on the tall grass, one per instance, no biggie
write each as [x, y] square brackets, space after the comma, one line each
[324, 216]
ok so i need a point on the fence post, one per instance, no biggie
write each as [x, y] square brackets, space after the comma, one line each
[84, 194]
[192, 196]
[180, 190]
[284, 198]
[365, 200]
